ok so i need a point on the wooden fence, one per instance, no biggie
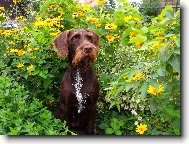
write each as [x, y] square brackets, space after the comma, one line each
[175, 5]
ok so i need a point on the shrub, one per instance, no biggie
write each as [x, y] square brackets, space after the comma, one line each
[138, 65]
[22, 115]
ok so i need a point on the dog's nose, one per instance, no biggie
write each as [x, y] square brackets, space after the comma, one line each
[87, 49]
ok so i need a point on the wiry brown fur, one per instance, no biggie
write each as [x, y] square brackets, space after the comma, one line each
[80, 55]
[81, 47]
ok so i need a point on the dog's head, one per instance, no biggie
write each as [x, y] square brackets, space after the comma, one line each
[81, 46]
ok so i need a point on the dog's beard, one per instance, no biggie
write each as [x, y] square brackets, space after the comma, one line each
[83, 59]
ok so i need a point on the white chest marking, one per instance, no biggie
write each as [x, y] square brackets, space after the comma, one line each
[78, 85]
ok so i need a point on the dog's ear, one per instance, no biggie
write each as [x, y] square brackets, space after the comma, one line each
[61, 44]
[96, 37]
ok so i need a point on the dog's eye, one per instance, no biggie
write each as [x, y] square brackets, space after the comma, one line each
[90, 38]
[76, 38]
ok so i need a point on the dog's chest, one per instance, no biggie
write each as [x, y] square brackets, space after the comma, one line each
[79, 91]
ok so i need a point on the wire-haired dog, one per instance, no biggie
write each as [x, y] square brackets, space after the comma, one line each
[79, 86]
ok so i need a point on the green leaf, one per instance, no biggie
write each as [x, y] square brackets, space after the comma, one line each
[163, 12]
[128, 86]
[176, 63]
[160, 72]
[119, 15]
[115, 124]
[125, 39]
[153, 82]
[47, 82]
[121, 1]
[169, 22]
[120, 89]
[169, 14]
[177, 51]
[103, 125]
[112, 104]
[144, 30]
[118, 107]
[109, 131]
[177, 14]
[40, 38]
[153, 106]
[131, 74]
[110, 93]
[43, 74]
[138, 39]
[169, 68]
[118, 132]
[144, 90]
[177, 42]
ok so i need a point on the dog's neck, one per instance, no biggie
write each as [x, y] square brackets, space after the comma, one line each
[84, 71]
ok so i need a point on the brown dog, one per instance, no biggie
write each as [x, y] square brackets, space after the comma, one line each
[79, 86]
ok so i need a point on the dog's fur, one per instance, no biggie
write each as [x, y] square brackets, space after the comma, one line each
[81, 47]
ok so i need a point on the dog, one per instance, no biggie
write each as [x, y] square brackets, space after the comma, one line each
[79, 88]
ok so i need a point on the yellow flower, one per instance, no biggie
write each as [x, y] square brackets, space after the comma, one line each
[173, 23]
[78, 6]
[101, 2]
[80, 13]
[5, 32]
[110, 37]
[155, 91]
[174, 71]
[38, 24]
[33, 57]
[17, 1]
[11, 43]
[98, 25]
[59, 18]
[171, 44]
[173, 37]
[51, 6]
[56, 33]
[15, 30]
[2, 14]
[21, 18]
[127, 18]
[111, 26]
[139, 45]
[168, 26]
[164, 39]
[158, 33]
[20, 65]
[35, 48]
[138, 76]
[136, 19]
[13, 50]
[141, 128]
[30, 67]
[126, 78]
[133, 34]
[2, 8]
[155, 46]
[92, 20]
[5, 55]
[21, 52]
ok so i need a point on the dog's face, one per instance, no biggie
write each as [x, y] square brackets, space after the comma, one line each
[81, 46]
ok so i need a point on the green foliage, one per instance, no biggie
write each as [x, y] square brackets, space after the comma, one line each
[138, 65]
[22, 115]
[149, 7]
